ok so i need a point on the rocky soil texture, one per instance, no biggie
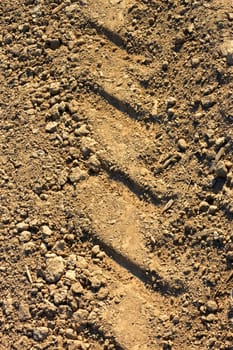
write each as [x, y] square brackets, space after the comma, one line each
[116, 177]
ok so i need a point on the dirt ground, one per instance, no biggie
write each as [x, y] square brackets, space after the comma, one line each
[116, 177]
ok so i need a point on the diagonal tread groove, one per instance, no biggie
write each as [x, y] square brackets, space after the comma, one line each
[152, 279]
[138, 189]
[112, 36]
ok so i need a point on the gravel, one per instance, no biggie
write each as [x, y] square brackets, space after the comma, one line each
[55, 268]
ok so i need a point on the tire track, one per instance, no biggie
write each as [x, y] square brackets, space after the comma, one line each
[120, 143]
[117, 224]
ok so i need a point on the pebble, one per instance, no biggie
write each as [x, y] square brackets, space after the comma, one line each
[102, 294]
[182, 144]
[46, 231]
[220, 141]
[165, 65]
[204, 206]
[54, 112]
[60, 295]
[208, 102]
[82, 263]
[70, 333]
[24, 312]
[54, 88]
[95, 282]
[227, 51]
[77, 288]
[221, 170]
[171, 101]
[80, 316]
[95, 250]
[88, 146]
[211, 318]
[195, 61]
[53, 43]
[94, 164]
[213, 209]
[81, 131]
[73, 107]
[29, 248]
[211, 306]
[40, 333]
[22, 226]
[77, 175]
[51, 127]
[55, 268]
[25, 236]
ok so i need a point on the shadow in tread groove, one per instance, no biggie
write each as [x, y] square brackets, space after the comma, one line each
[150, 278]
[135, 113]
[138, 189]
[114, 37]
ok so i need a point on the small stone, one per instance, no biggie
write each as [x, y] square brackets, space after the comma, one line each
[213, 209]
[165, 65]
[81, 131]
[54, 88]
[228, 164]
[171, 112]
[94, 164]
[24, 312]
[73, 107]
[70, 275]
[40, 333]
[53, 43]
[195, 61]
[227, 51]
[220, 141]
[46, 231]
[59, 247]
[211, 306]
[60, 295]
[95, 282]
[77, 288]
[221, 170]
[70, 333]
[51, 127]
[54, 112]
[77, 175]
[211, 318]
[82, 263]
[29, 248]
[25, 236]
[171, 101]
[182, 144]
[88, 146]
[80, 316]
[55, 268]
[230, 16]
[22, 226]
[208, 102]
[49, 310]
[102, 294]
[95, 250]
[204, 206]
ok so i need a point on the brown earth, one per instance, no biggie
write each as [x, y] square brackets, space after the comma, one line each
[116, 177]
